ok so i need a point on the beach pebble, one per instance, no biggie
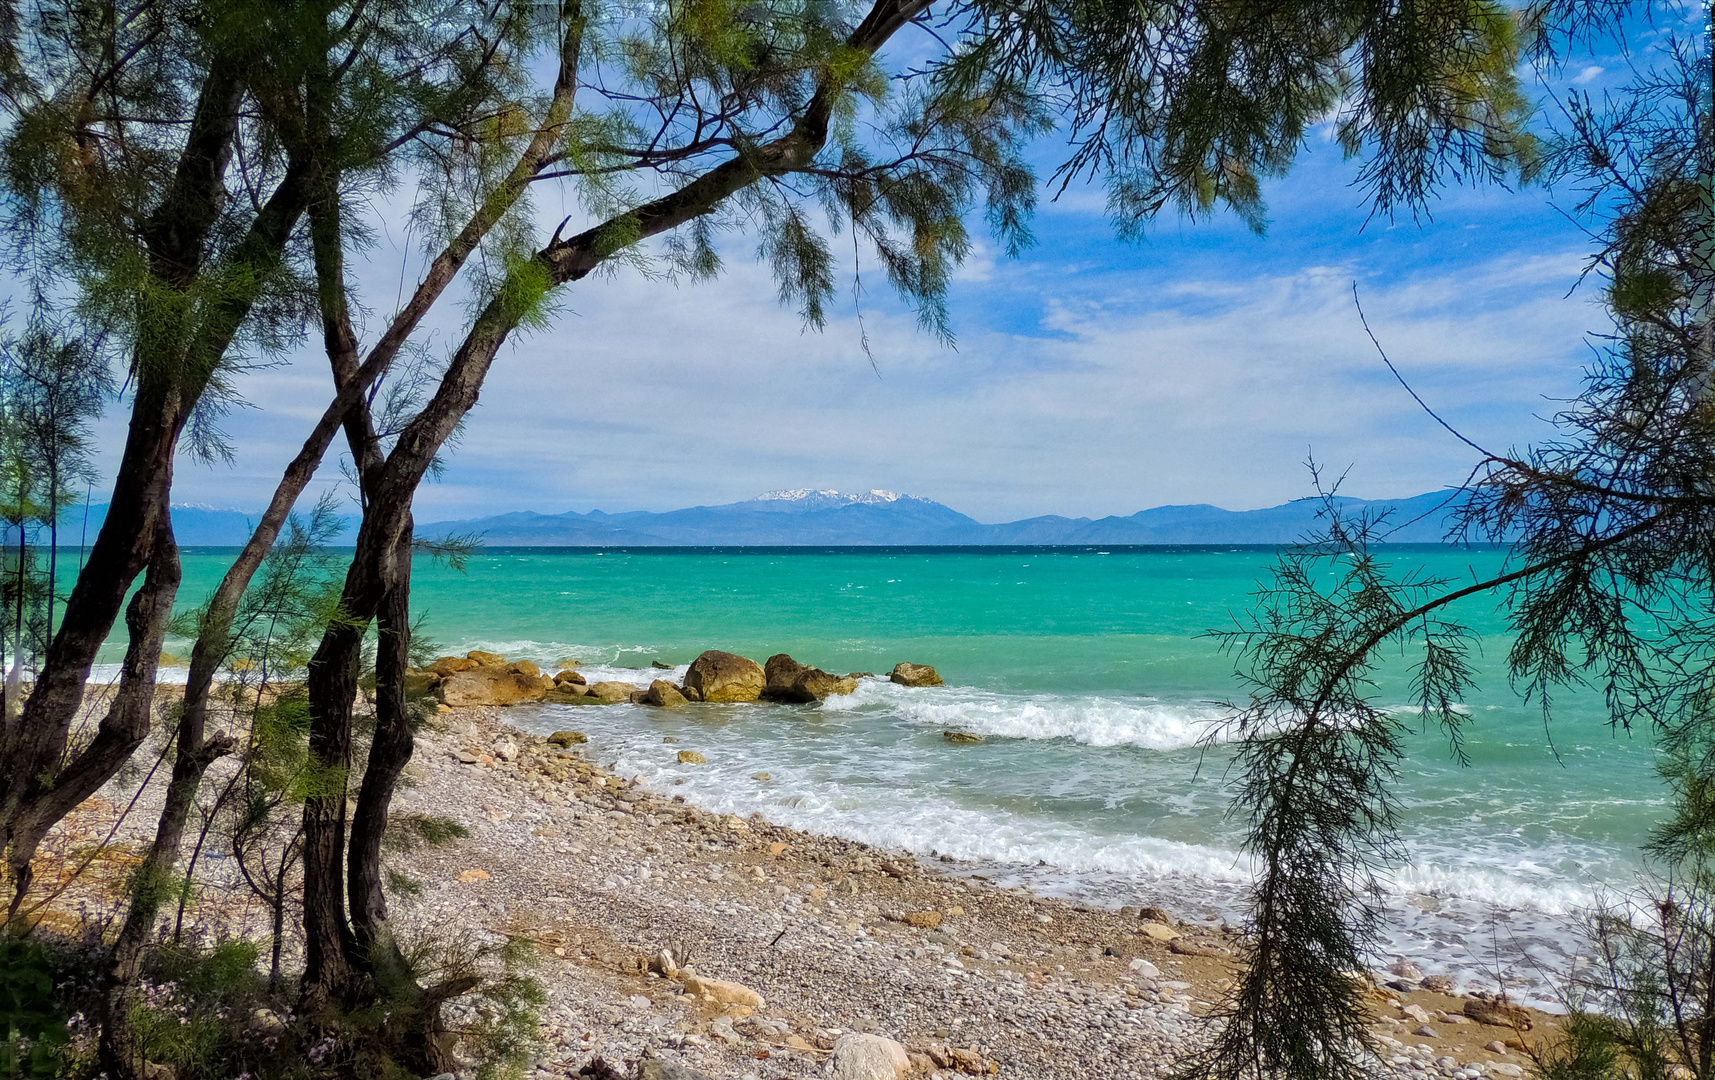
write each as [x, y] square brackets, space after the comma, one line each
[1405, 969]
[1415, 1012]
[869, 1057]
[1426, 1031]
[727, 993]
[1158, 931]
[1145, 968]
[1495, 1047]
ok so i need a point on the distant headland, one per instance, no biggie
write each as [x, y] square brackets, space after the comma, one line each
[807, 517]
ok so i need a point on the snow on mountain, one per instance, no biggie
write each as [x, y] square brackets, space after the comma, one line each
[827, 498]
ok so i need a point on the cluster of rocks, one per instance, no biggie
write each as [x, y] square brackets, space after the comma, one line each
[480, 679]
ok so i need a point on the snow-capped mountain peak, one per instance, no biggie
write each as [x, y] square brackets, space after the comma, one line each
[827, 498]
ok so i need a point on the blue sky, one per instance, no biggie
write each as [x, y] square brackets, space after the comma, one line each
[1091, 376]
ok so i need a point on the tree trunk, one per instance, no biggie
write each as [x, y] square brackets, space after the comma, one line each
[389, 752]
[127, 719]
[31, 769]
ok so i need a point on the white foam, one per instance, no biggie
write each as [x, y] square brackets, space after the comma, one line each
[1092, 721]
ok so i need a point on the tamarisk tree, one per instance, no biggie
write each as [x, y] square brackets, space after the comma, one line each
[149, 195]
[1609, 581]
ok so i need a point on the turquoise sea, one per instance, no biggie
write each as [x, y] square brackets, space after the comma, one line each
[1087, 673]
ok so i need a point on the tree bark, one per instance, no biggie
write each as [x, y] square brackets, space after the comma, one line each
[127, 719]
[31, 770]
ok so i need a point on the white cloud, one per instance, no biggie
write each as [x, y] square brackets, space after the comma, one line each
[1084, 382]
[1588, 74]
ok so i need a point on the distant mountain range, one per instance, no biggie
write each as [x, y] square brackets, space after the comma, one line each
[831, 519]
[819, 518]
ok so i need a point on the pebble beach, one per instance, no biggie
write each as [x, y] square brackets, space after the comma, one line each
[792, 941]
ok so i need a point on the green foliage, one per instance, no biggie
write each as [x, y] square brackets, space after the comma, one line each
[1193, 105]
[508, 1013]
[33, 1020]
[1609, 582]
[406, 832]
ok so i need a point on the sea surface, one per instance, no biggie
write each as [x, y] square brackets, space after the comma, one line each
[1090, 676]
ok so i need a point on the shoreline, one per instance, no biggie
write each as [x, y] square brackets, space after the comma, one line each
[834, 935]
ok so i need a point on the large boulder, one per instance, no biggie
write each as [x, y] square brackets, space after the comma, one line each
[490, 686]
[719, 990]
[723, 676]
[915, 675]
[524, 667]
[451, 665]
[1498, 1013]
[665, 695]
[612, 693]
[421, 681]
[779, 671]
[486, 659]
[569, 675]
[788, 680]
[869, 1057]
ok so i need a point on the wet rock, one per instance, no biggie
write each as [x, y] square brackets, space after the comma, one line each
[1405, 969]
[724, 676]
[485, 659]
[788, 680]
[915, 675]
[962, 738]
[524, 667]
[567, 738]
[612, 693]
[570, 675]
[1155, 914]
[665, 695]
[691, 757]
[1438, 984]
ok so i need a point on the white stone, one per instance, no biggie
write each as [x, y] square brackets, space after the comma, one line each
[869, 1057]
[1145, 968]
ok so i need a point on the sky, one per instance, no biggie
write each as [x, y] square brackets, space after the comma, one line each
[1091, 376]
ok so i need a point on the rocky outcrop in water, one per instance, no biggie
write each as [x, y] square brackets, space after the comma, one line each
[491, 686]
[906, 674]
[788, 680]
[665, 695]
[724, 676]
[489, 679]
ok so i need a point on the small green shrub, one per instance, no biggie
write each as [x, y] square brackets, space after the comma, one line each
[34, 1025]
